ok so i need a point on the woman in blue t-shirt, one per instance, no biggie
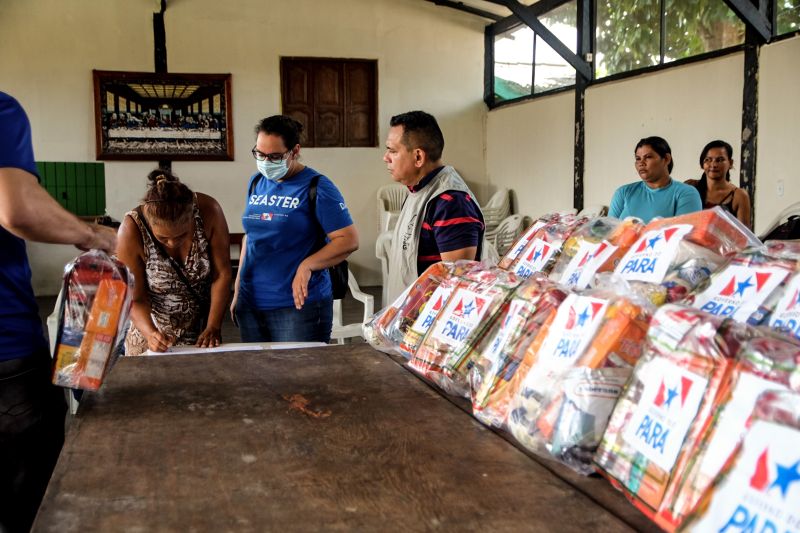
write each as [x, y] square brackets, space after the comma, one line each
[283, 290]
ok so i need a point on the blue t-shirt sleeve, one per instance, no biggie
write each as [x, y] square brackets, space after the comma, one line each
[617, 204]
[332, 212]
[16, 148]
[455, 220]
[688, 201]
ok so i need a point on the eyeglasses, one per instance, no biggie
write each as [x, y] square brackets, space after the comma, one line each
[275, 157]
[717, 160]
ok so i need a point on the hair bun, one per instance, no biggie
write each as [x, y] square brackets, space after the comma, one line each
[161, 175]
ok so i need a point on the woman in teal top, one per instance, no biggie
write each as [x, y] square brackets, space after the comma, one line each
[657, 195]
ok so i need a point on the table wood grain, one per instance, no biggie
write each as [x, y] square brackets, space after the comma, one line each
[334, 438]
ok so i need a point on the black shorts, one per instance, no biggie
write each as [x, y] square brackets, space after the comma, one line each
[32, 412]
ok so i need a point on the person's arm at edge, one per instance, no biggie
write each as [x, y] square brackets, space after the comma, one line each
[29, 212]
[469, 253]
[342, 243]
[688, 201]
[617, 204]
[238, 279]
[216, 228]
[742, 202]
[130, 252]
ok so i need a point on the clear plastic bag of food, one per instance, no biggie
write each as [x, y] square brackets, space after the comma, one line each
[536, 251]
[523, 240]
[596, 246]
[92, 319]
[759, 487]
[747, 288]
[680, 253]
[764, 363]
[387, 330]
[781, 311]
[548, 408]
[544, 248]
[498, 355]
[658, 420]
[444, 354]
[573, 418]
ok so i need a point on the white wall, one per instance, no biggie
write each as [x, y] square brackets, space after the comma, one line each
[523, 140]
[428, 58]
[530, 146]
[778, 130]
[688, 106]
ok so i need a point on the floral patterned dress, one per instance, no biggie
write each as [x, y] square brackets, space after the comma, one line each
[175, 310]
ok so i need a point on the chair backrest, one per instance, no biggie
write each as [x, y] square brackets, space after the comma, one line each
[390, 202]
[499, 200]
[391, 196]
[507, 233]
[340, 331]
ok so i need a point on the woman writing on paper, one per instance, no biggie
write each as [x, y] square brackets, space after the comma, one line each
[176, 244]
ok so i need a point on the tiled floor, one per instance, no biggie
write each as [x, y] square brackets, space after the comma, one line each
[352, 312]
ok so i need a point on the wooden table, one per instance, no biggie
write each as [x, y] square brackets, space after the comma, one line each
[335, 438]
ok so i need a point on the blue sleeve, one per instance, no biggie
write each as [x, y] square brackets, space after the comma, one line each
[16, 148]
[332, 212]
[617, 203]
[456, 221]
[688, 201]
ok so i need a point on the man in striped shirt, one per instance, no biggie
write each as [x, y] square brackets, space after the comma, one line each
[440, 219]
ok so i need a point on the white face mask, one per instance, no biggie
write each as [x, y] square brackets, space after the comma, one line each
[273, 171]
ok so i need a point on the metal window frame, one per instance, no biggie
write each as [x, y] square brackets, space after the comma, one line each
[757, 18]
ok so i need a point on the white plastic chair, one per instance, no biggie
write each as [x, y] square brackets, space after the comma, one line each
[340, 331]
[496, 209]
[593, 211]
[390, 202]
[382, 246]
[506, 233]
[52, 333]
[782, 217]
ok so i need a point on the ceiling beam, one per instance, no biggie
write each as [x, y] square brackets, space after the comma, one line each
[521, 11]
[467, 9]
[753, 17]
[539, 8]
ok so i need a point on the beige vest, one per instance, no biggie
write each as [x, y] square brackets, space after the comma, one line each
[405, 238]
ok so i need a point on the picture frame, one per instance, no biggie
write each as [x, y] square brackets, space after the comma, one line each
[152, 116]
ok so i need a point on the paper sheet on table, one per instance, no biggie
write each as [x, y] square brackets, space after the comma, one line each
[236, 347]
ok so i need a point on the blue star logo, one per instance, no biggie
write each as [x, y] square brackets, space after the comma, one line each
[583, 317]
[537, 254]
[671, 394]
[469, 308]
[742, 286]
[786, 476]
[652, 242]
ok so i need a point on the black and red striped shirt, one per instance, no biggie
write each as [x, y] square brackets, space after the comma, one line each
[452, 221]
